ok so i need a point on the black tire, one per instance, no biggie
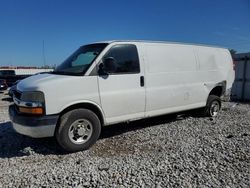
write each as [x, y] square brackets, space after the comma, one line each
[213, 106]
[68, 120]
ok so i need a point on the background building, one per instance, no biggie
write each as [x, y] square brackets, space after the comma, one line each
[26, 70]
[241, 86]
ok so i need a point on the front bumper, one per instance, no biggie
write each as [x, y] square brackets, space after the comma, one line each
[33, 126]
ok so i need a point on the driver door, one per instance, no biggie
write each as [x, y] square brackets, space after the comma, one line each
[122, 90]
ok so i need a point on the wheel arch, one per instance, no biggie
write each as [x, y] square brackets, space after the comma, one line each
[219, 89]
[86, 105]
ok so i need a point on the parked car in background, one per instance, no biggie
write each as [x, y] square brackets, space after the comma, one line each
[3, 84]
[11, 77]
[7, 73]
[120, 81]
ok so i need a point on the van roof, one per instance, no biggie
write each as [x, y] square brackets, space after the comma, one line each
[164, 42]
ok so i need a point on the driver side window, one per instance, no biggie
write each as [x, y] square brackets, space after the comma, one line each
[125, 59]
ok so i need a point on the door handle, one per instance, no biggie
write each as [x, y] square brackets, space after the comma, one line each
[142, 81]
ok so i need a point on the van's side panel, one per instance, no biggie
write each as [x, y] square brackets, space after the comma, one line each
[172, 83]
[215, 66]
[208, 74]
[227, 67]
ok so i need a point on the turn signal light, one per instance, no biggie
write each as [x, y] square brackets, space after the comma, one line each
[35, 111]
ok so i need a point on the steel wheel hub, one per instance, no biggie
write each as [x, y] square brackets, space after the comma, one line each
[215, 108]
[80, 131]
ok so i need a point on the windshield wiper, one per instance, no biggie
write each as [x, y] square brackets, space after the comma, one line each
[61, 72]
[66, 73]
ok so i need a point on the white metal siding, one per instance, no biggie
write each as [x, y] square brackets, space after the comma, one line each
[29, 71]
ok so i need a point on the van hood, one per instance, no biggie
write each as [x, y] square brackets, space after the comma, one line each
[39, 82]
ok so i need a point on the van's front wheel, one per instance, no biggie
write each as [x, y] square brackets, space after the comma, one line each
[213, 106]
[78, 130]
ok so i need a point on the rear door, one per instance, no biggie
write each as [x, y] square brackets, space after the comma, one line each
[122, 92]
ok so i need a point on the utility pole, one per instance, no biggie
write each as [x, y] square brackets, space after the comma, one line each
[44, 59]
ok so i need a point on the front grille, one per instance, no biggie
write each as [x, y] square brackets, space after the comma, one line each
[17, 94]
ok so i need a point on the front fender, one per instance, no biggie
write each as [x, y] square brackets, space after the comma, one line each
[84, 103]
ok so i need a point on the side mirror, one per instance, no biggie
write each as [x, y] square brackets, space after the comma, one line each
[101, 70]
[107, 66]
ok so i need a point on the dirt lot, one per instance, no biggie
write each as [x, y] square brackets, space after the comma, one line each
[185, 151]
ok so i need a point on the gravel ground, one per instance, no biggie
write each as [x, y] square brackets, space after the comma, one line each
[159, 152]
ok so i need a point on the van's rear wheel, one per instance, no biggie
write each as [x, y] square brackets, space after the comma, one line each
[213, 106]
[78, 130]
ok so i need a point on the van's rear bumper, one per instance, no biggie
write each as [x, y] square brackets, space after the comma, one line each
[33, 126]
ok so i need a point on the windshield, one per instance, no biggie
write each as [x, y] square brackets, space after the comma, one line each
[79, 62]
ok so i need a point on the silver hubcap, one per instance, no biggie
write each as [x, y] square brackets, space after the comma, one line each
[215, 108]
[80, 131]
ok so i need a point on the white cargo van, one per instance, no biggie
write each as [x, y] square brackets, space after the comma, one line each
[117, 81]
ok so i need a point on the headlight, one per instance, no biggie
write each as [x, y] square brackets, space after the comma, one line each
[31, 103]
[32, 96]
